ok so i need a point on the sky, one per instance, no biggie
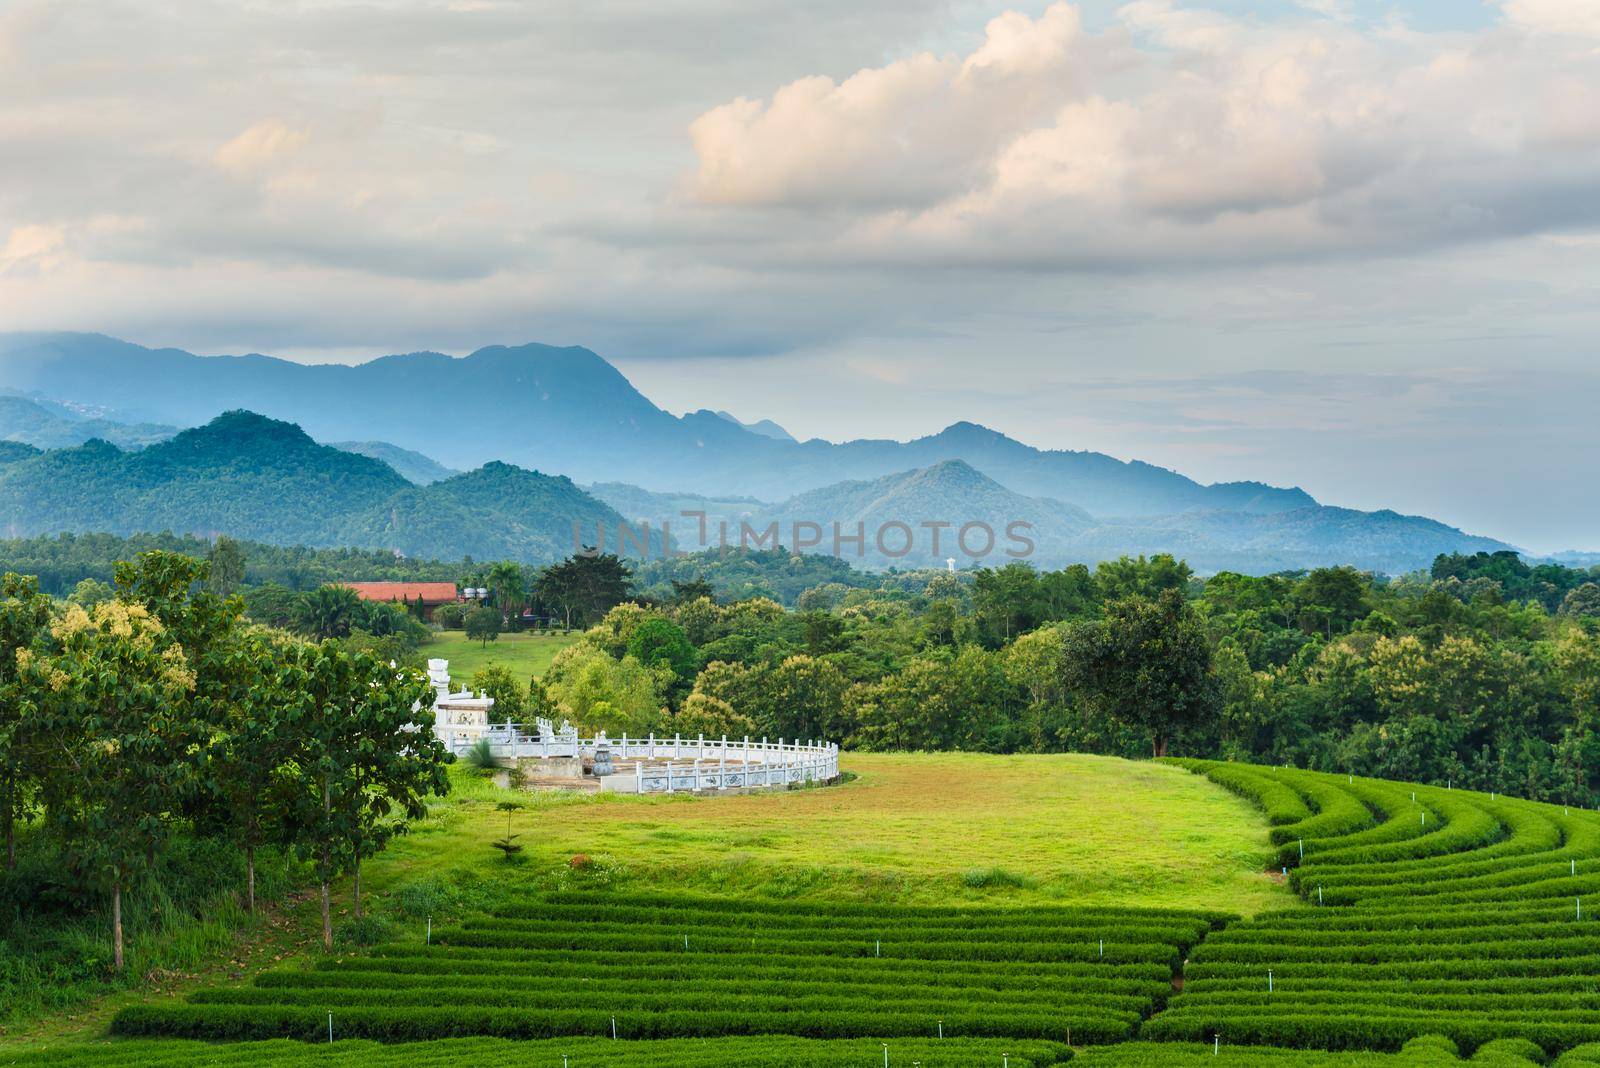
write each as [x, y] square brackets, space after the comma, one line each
[1349, 245]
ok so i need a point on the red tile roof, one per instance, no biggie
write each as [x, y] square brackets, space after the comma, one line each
[430, 592]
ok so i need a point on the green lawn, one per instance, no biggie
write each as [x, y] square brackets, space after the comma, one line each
[524, 655]
[922, 828]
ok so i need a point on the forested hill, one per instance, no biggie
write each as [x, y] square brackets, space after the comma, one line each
[568, 410]
[251, 477]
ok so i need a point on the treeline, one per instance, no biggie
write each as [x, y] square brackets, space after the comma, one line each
[1425, 678]
[159, 715]
[61, 561]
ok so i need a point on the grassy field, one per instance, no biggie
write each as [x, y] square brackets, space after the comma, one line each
[524, 655]
[914, 828]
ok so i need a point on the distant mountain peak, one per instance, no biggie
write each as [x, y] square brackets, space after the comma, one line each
[765, 427]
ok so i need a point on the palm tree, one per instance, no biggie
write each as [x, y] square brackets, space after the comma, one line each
[328, 611]
[509, 588]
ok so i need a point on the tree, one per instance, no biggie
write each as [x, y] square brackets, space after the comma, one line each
[24, 622]
[328, 612]
[90, 592]
[1330, 599]
[1138, 577]
[508, 588]
[585, 587]
[227, 567]
[1583, 602]
[118, 690]
[1003, 599]
[661, 641]
[691, 590]
[1147, 663]
[246, 762]
[711, 717]
[497, 682]
[365, 752]
[483, 625]
[598, 692]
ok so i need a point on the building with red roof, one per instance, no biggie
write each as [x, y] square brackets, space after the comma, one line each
[431, 594]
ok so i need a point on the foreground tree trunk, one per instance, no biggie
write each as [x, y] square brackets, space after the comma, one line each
[116, 921]
[327, 915]
[1159, 747]
[327, 921]
[250, 876]
[11, 824]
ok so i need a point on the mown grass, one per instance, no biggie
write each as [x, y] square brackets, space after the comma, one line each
[913, 828]
[525, 654]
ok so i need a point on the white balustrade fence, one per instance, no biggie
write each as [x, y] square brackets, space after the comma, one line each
[666, 765]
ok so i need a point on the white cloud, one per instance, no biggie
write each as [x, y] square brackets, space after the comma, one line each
[32, 245]
[1580, 17]
[266, 142]
[1178, 135]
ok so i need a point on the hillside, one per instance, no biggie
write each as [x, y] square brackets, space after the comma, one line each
[11, 451]
[950, 492]
[52, 426]
[256, 478]
[412, 466]
[496, 512]
[954, 492]
[240, 474]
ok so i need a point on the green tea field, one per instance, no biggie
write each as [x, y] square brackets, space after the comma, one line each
[938, 910]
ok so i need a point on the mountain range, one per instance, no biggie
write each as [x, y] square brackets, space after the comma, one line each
[568, 410]
[504, 411]
[252, 477]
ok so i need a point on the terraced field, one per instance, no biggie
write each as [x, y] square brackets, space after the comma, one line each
[1433, 927]
[768, 1051]
[649, 967]
[1443, 913]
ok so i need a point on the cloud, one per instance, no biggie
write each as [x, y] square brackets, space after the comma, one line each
[1177, 135]
[30, 246]
[260, 145]
[1577, 17]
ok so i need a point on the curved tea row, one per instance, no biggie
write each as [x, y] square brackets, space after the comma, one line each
[652, 967]
[1441, 912]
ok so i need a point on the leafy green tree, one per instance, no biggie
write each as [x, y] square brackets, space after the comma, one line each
[483, 625]
[690, 590]
[118, 692]
[596, 691]
[940, 701]
[497, 682]
[1583, 602]
[1130, 576]
[584, 588]
[227, 567]
[1147, 663]
[1004, 599]
[806, 700]
[657, 641]
[246, 764]
[90, 592]
[1330, 599]
[711, 717]
[364, 755]
[24, 623]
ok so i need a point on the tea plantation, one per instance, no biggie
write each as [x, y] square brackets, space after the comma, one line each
[1418, 926]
